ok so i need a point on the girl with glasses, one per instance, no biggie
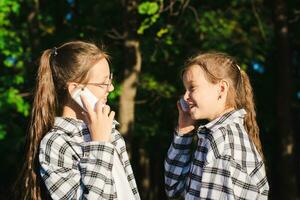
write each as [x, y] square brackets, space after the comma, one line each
[75, 153]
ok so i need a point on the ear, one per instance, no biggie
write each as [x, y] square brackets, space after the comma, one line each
[71, 87]
[223, 88]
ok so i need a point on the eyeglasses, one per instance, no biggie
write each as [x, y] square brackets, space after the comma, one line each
[103, 85]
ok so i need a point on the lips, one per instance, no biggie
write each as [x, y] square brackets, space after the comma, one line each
[191, 105]
[104, 101]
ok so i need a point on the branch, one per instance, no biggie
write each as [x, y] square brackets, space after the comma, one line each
[296, 12]
[258, 20]
[114, 34]
[195, 13]
[25, 94]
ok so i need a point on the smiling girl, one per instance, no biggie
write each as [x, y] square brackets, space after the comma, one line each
[75, 153]
[228, 160]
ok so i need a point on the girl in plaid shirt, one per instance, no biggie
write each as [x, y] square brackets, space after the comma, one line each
[227, 162]
[75, 153]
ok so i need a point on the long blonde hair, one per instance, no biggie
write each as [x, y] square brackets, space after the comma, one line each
[219, 66]
[68, 63]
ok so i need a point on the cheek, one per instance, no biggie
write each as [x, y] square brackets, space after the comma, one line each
[198, 97]
[203, 99]
[192, 97]
[98, 92]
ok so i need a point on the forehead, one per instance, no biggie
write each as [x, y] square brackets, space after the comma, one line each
[193, 74]
[100, 70]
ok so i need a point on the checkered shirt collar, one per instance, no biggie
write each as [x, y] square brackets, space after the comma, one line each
[232, 116]
[72, 125]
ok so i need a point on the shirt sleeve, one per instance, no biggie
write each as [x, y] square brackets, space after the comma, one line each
[260, 179]
[69, 175]
[177, 164]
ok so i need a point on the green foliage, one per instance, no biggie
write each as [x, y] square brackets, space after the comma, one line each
[13, 98]
[213, 25]
[147, 23]
[6, 8]
[161, 32]
[149, 9]
[2, 131]
[113, 96]
[12, 70]
[149, 83]
[169, 33]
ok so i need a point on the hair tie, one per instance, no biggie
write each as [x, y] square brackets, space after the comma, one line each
[54, 51]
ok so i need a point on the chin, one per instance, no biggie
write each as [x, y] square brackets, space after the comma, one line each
[193, 116]
[196, 116]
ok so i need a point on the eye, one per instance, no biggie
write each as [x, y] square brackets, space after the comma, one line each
[191, 88]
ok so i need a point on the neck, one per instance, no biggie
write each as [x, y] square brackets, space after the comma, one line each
[219, 114]
[72, 110]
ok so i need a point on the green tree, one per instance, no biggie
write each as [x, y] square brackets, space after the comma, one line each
[149, 42]
[13, 107]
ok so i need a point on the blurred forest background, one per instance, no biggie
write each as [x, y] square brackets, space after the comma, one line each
[149, 42]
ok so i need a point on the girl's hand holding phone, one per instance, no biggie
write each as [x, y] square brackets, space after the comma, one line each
[99, 120]
[185, 122]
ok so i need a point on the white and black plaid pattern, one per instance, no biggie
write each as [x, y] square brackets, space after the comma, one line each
[224, 165]
[74, 167]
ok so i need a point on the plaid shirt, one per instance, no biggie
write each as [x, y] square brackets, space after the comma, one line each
[224, 165]
[74, 167]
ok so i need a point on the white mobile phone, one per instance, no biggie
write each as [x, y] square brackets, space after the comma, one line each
[184, 105]
[91, 98]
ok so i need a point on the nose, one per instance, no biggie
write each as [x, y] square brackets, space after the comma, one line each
[186, 95]
[111, 88]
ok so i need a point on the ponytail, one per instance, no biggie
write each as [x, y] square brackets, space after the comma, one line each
[42, 119]
[247, 102]
[58, 66]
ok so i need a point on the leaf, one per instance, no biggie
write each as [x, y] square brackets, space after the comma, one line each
[148, 8]
[161, 32]
[147, 23]
[19, 79]
[2, 132]
[116, 93]
[148, 82]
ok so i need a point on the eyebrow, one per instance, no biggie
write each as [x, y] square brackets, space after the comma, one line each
[107, 76]
[190, 82]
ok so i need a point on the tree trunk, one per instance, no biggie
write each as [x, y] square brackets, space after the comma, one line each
[285, 186]
[132, 69]
[129, 88]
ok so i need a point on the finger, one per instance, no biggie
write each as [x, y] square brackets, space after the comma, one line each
[179, 107]
[87, 106]
[85, 116]
[106, 109]
[112, 115]
[99, 107]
